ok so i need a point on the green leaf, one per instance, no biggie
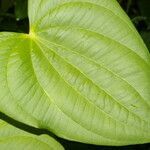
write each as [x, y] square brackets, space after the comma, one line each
[16, 139]
[83, 72]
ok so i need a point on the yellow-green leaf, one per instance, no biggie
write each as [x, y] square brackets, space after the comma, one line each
[16, 139]
[83, 72]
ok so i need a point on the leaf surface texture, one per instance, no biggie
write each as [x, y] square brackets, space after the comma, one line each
[83, 72]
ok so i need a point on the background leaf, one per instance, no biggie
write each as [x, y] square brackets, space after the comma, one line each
[146, 38]
[16, 139]
[21, 9]
[6, 4]
[144, 7]
[13, 16]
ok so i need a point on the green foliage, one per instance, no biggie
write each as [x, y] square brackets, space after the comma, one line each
[82, 73]
[144, 7]
[20, 9]
[16, 139]
[13, 15]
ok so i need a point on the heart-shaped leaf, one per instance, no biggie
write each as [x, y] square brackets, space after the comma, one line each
[83, 72]
[16, 139]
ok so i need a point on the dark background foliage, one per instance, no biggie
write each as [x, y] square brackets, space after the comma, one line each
[13, 17]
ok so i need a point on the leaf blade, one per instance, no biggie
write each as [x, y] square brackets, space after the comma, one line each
[14, 138]
[82, 73]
